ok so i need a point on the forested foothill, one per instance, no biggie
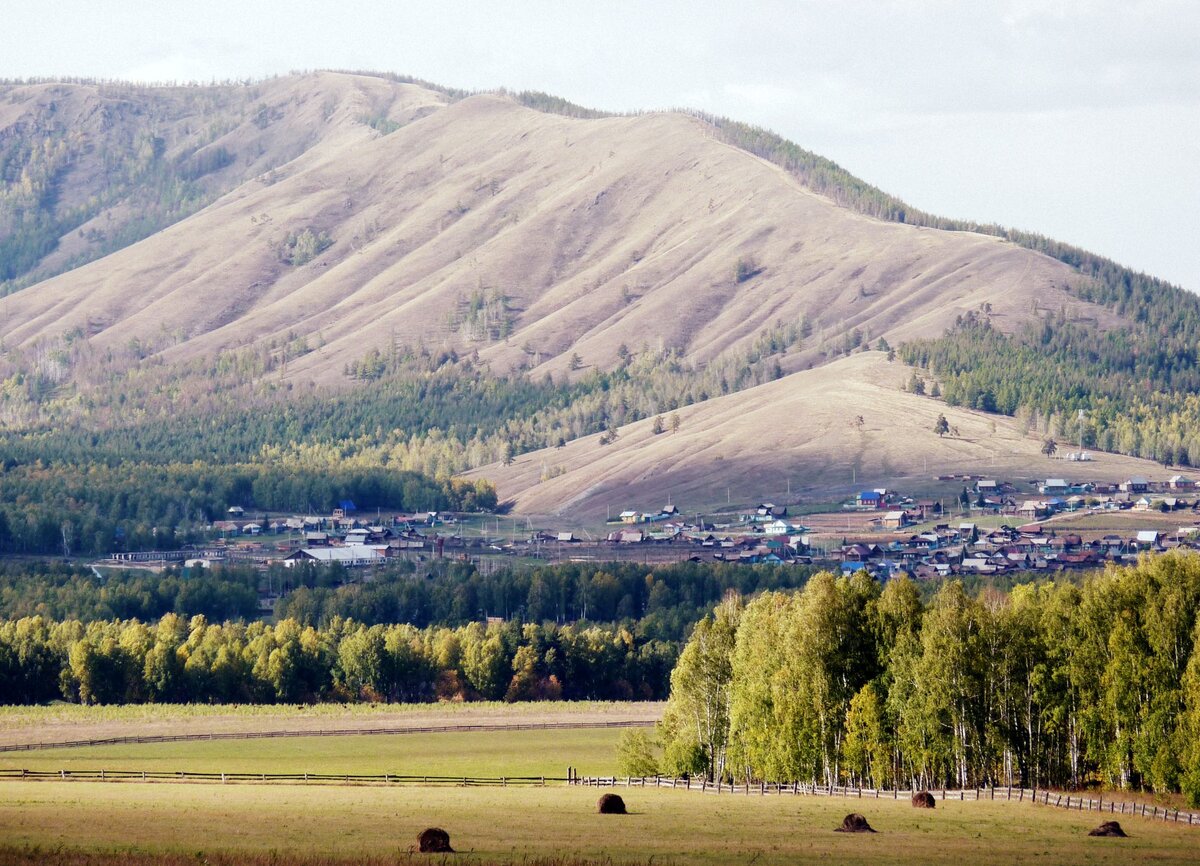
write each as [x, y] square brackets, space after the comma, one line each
[1131, 390]
[1048, 684]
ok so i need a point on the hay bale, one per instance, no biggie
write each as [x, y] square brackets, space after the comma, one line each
[434, 840]
[923, 800]
[855, 823]
[611, 804]
[1109, 828]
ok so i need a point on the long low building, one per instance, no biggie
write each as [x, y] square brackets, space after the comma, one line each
[348, 555]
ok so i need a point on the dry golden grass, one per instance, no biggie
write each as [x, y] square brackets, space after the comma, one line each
[804, 427]
[602, 232]
[518, 825]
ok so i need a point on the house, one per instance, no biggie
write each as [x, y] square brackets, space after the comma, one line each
[350, 555]
[252, 529]
[1179, 482]
[1033, 510]
[895, 520]
[357, 536]
[565, 537]
[631, 516]
[776, 527]
[1053, 487]
[316, 539]
[869, 499]
[1148, 539]
[235, 511]
[1136, 484]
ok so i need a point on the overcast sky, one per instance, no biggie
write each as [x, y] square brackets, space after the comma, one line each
[1079, 119]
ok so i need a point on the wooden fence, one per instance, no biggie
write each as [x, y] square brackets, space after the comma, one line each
[344, 732]
[242, 778]
[1041, 798]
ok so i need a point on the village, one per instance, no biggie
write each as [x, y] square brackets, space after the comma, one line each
[988, 527]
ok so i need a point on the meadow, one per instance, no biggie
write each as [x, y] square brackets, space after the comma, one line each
[132, 823]
[64, 722]
[467, 753]
[508, 824]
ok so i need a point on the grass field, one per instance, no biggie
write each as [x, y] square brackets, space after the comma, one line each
[492, 753]
[285, 824]
[62, 722]
[512, 824]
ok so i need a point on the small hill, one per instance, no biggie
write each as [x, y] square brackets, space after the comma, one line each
[801, 433]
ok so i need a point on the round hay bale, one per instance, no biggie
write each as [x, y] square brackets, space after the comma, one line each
[923, 800]
[855, 823]
[1109, 828]
[611, 804]
[434, 840]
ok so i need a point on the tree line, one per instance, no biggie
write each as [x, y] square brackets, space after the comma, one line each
[190, 660]
[1048, 684]
[655, 603]
[94, 508]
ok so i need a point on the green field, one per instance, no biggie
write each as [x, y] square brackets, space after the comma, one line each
[493, 753]
[67, 722]
[132, 823]
[507, 823]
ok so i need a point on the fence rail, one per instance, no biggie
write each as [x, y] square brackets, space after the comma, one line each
[344, 732]
[241, 778]
[1057, 799]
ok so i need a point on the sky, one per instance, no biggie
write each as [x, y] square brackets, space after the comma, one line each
[1078, 119]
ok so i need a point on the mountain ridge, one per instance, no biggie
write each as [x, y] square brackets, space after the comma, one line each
[345, 222]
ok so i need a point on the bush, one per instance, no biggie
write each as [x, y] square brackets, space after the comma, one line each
[637, 754]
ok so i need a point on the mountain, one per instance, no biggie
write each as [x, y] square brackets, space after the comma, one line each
[308, 228]
[582, 233]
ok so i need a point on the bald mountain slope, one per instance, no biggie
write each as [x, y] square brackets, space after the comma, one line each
[483, 225]
[801, 435]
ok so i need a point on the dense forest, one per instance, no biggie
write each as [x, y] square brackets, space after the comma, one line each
[89, 508]
[1049, 684]
[661, 602]
[1129, 390]
[180, 659]
[412, 633]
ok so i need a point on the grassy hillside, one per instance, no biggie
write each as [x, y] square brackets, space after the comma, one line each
[526, 236]
[818, 433]
[245, 251]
